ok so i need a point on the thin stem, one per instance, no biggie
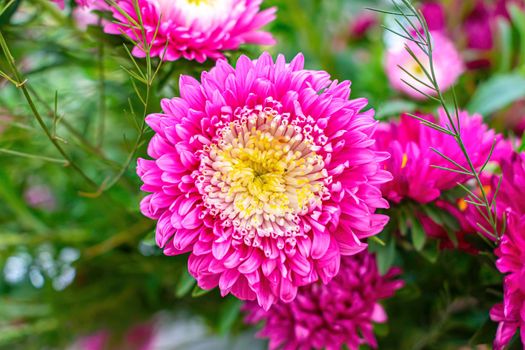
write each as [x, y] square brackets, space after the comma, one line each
[83, 142]
[21, 84]
[102, 96]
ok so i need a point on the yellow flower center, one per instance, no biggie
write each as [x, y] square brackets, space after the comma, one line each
[198, 2]
[462, 204]
[261, 176]
[404, 161]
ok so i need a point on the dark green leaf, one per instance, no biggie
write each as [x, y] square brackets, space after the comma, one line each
[184, 285]
[497, 93]
[198, 292]
[419, 236]
[230, 311]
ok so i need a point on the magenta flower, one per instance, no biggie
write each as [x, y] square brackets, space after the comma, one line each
[511, 254]
[265, 172]
[194, 30]
[330, 316]
[409, 142]
[448, 66]
[362, 24]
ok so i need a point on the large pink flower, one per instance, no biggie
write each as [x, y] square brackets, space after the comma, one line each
[330, 316]
[511, 252]
[448, 66]
[265, 172]
[194, 30]
[409, 142]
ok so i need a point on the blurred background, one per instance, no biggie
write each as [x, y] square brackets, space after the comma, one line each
[79, 267]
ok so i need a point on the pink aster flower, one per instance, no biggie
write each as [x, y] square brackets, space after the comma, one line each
[265, 172]
[194, 30]
[448, 66]
[330, 316]
[511, 254]
[409, 142]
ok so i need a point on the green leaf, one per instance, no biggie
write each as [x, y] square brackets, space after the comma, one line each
[484, 334]
[184, 285]
[381, 329]
[230, 311]
[434, 213]
[431, 251]
[199, 292]
[418, 235]
[402, 221]
[497, 93]
[386, 255]
[505, 52]
[394, 108]
[518, 20]
[452, 236]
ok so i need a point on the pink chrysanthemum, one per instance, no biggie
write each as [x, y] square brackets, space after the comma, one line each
[448, 66]
[409, 142]
[330, 316]
[511, 252]
[194, 29]
[265, 172]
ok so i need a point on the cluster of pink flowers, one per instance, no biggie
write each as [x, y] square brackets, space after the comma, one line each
[266, 173]
[412, 160]
[333, 315]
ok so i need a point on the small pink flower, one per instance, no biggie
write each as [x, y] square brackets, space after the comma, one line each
[409, 142]
[40, 196]
[329, 316]
[448, 66]
[194, 30]
[265, 172]
[361, 24]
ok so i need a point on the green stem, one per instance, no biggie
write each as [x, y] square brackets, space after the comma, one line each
[21, 84]
[102, 95]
